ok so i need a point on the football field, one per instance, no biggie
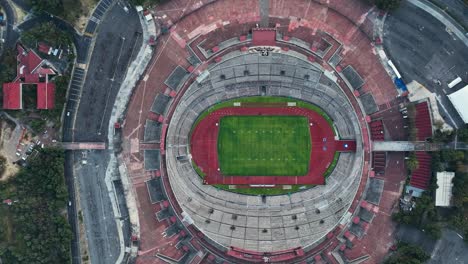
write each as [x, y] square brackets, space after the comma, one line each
[264, 145]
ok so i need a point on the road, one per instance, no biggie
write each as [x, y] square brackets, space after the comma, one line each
[450, 248]
[423, 50]
[11, 36]
[117, 43]
[119, 39]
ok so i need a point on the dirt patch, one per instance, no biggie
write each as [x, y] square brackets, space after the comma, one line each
[87, 7]
[19, 13]
[9, 138]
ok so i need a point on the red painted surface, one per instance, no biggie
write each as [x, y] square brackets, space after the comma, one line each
[259, 257]
[345, 145]
[205, 153]
[264, 37]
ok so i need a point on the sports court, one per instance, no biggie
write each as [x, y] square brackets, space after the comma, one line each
[321, 149]
[264, 145]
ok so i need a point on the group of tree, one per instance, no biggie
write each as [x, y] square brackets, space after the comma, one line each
[424, 216]
[460, 202]
[69, 10]
[8, 66]
[408, 254]
[412, 162]
[41, 233]
[148, 2]
[46, 32]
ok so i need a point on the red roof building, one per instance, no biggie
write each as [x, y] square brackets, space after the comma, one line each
[45, 95]
[31, 69]
[12, 96]
[44, 48]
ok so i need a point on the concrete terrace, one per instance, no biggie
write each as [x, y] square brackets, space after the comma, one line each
[276, 214]
[317, 40]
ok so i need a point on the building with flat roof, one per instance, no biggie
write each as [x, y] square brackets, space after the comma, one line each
[444, 189]
[458, 100]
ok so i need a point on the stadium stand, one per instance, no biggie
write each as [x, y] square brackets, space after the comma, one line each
[379, 162]
[421, 177]
[354, 79]
[177, 77]
[369, 104]
[377, 130]
[152, 131]
[152, 158]
[160, 104]
[423, 122]
[155, 191]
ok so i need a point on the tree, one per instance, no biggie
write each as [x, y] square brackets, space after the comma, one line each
[3, 163]
[41, 231]
[463, 134]
[387, 5]
[412, 162]
[408, 254]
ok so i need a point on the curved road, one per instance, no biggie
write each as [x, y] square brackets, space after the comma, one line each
[91, 99]
[11, 36]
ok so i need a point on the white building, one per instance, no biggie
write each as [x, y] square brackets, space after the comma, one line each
[444, 189]
[459, 99]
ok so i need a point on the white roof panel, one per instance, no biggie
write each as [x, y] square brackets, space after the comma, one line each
[444, 189]
[459, 99]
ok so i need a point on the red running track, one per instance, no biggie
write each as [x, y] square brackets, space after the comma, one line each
[204, 149]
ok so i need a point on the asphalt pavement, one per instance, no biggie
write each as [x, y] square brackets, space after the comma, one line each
[118, 41]
[450, 248]
[424, 50]
[96, 207]
[11, 36]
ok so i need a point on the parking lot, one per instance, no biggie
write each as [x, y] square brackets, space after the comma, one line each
[424, 50]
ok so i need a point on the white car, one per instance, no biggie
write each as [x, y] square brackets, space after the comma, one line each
[68, 113]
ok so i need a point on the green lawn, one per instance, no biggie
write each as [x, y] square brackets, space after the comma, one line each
[264, 145]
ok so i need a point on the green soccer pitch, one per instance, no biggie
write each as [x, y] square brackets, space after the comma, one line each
[264, 145]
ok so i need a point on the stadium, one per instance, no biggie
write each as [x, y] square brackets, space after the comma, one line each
[247, 138]
[221, 161]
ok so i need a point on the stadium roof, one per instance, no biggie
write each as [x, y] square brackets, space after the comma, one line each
[444, 189]
[458, 100]
[12, 96]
